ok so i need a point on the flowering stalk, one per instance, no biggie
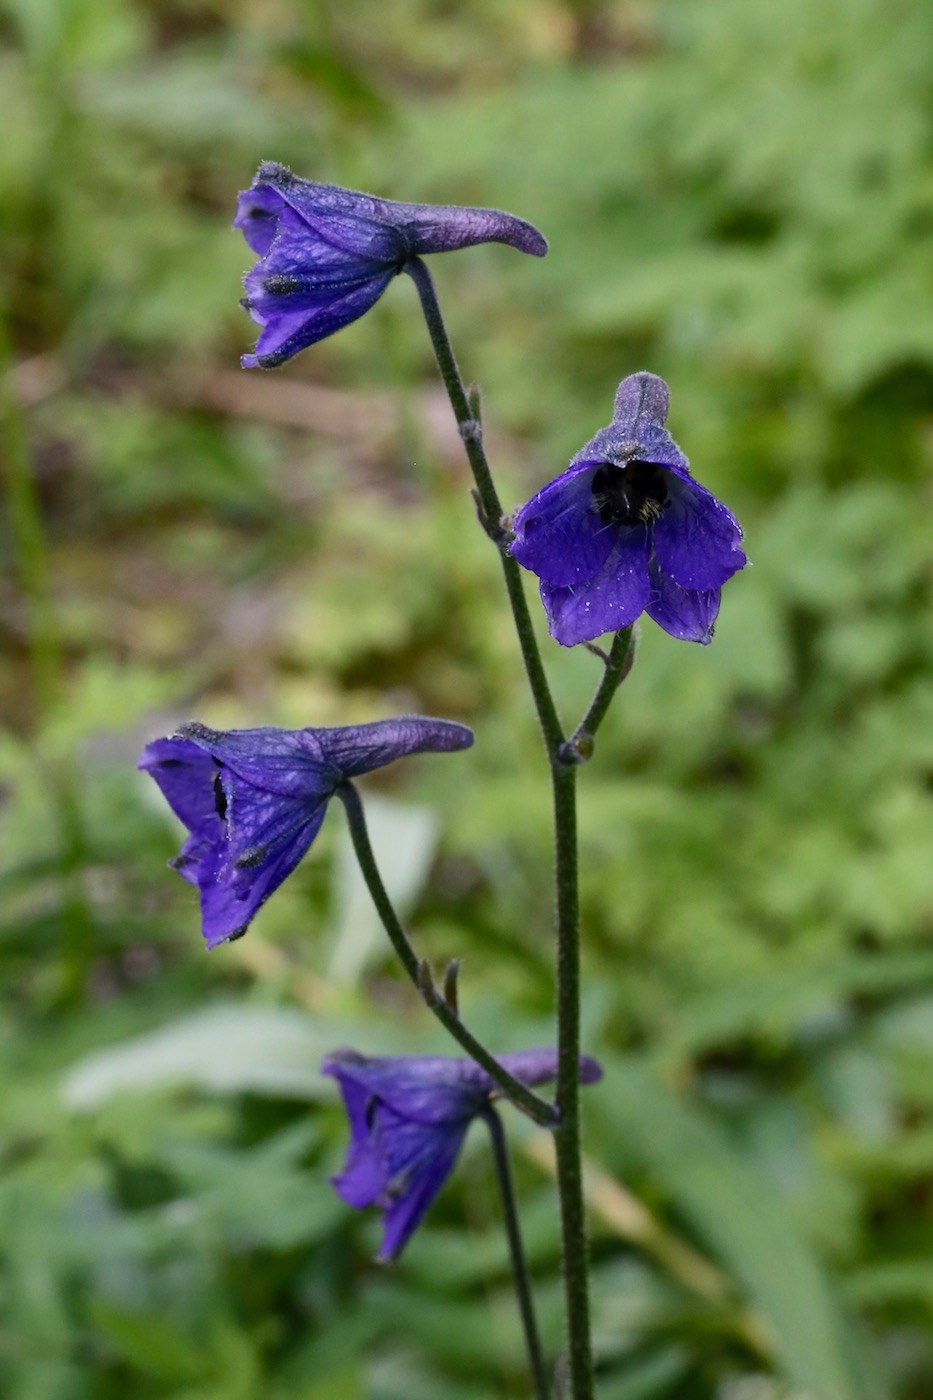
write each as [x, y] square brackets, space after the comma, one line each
[538, 1109]
[520, 1273]
[563, 779]
[488, 500]
[618, 663]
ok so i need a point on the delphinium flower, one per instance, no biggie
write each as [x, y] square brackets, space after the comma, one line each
[327, 254]
[627, 530]
[408, 1119]
[253, 800]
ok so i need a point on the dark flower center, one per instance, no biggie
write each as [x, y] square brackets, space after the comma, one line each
[278, 285]
[220, 797]
[632, 495]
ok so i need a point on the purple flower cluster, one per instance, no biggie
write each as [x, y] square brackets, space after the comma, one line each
[327, 254]
[253, 800]
[408, 1119]
[627, 530]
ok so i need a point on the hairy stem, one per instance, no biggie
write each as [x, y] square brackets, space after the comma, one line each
[567, 1135]
[530, 1103]
[487, 498]
[563, 777]
[618, 663]
[520, 1273]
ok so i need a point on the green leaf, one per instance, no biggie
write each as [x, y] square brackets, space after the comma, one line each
[741, 1221]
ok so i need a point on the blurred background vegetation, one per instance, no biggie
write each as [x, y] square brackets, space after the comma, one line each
[739, 197]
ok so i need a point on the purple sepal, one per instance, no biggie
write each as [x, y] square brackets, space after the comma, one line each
[408, 1119]
[327, 254]
[253, 800]
[627, 530]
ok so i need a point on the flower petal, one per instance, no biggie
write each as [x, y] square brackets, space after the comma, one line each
[533, 1067]
[257, 217]
[403, 1213]
[613, 599]
[360, 748]
[442, 228]
[687, 614]
[406, 228]
[559, 534]
[642, 400]
[697, 540]
[350, 223]
[232, 896]
[185, 774]
[287, 330]
[291, 763]
[433, 1090]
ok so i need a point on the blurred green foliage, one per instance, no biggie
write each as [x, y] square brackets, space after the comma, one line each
[739, 197]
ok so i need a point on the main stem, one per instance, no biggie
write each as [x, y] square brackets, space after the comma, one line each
[567, 1135]
[536, 1108]
[520, 1273]
[563, 780]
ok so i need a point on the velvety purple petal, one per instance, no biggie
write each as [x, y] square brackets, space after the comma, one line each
[361, 748]
[697, 540]
[186, 776]
[363, 1178]
[350, 222]
[641, 399]
[441, 228]
[231, 896]
[408, 1118]
[432, 1090]
[613, 599]
[365, 1174]
[260, 824]
[404, 1212]
[559, 534]
[637, 432]
[426, 228]
[257, 217]
[315, 258]
[289, 763]
[533, 1067]
[286, 333]
[687, 614]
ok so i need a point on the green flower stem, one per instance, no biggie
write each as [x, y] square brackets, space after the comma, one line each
[579, 747]
[487, 497]
[567, 1135]
[520, 1273]
[538, 1109]
[563, 778]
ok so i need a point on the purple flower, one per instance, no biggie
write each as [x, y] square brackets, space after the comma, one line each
[408, 1118]
[327, 254]
[254, 800]
[627, 530]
